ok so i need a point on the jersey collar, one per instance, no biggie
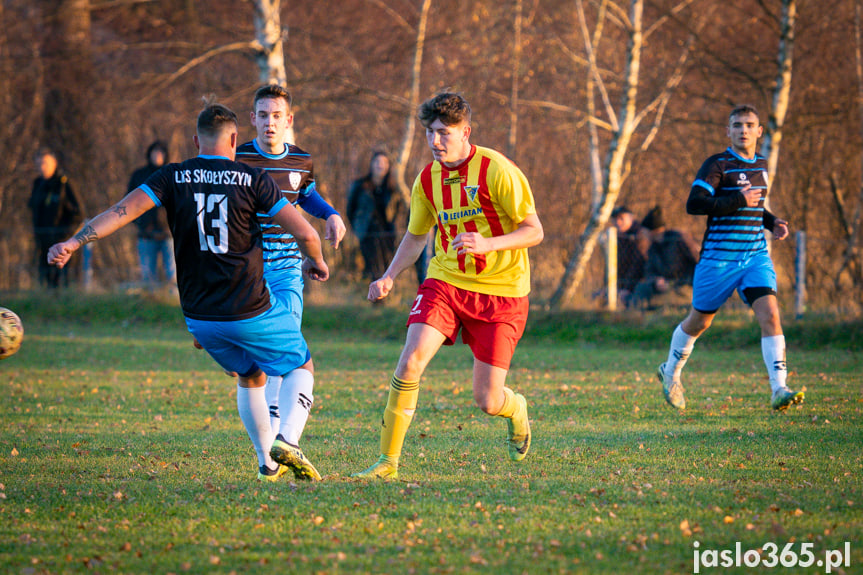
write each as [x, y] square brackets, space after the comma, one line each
[741, 158]
[464, 163]
[268, 155]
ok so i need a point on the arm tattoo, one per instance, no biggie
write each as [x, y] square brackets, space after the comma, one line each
[86, 235]
[120, 211]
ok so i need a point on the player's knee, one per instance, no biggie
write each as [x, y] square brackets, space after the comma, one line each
[697, 323]
[487, 404]
[410, 367]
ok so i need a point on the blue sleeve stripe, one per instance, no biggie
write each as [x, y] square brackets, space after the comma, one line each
[704, 185]
[277, 208]
[149, 192]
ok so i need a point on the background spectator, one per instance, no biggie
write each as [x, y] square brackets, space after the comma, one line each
[373, 203]
[154, 237]
[670, 265]
[56, 213]
[632, 244]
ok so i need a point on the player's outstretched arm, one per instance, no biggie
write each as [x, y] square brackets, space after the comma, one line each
[409, 250]
[126, 210]
[308, 241]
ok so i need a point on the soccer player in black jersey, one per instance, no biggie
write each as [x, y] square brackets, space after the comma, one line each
[730, 189]
[293, 170]
[212, 204]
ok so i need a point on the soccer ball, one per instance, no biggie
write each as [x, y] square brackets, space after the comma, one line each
[11, 333]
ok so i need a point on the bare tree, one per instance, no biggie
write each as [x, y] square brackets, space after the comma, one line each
[404, 152]
[516, 70]
[269, 47]
[270, 39]
[851, 226]
[622, 123]
[782, 90]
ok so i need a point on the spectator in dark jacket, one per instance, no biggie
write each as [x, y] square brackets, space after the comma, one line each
[56, 213]
[633, 242]
[154, 237]
[670, 265]
[373, 203]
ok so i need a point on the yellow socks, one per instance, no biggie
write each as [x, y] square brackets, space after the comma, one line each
[510, 405]
[401, 405]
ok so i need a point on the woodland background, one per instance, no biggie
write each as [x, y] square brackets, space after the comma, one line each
[100, 80]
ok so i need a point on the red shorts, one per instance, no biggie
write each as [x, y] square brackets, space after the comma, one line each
[491, 325]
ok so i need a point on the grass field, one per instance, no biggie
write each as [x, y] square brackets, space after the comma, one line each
[121, 451]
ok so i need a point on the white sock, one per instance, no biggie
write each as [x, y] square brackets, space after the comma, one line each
[773, 350]
[681, 346]
[274, 382]
[252, 405]
[295, 401]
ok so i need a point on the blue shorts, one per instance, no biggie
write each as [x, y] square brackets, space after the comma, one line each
[289, 290]
[715, 281]
[270, 341]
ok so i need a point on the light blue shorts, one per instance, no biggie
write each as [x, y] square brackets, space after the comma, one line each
[715, 281]
[271, 342]
[289, 290]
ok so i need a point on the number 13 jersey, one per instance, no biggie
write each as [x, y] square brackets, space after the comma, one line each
[212, 204]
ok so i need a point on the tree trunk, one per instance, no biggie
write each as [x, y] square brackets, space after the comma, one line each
[607, 181]
[516, 65]
[615, 162]
[268, 33]
[773, 137]
[410, 124]
[69, 76]
[270, 56]
[852, 229]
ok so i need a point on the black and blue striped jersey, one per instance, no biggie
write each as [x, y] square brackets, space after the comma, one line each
[735, 232]
[212, 205]
[293, 171]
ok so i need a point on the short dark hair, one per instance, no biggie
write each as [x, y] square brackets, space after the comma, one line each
[744, 109]
[653, 220]
[272, 91]
[215, 118]
[46, 151]
[157, 145]
[448, 107]
[620, 210]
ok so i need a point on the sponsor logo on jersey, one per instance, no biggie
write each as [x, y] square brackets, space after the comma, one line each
[295, 178]
[742, 180]
[453, 216]
[452, 180]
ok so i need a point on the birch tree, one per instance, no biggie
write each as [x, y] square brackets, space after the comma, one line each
[404, 152]
[782, 90]
[269, 47]
[622, 123]
[270, 37]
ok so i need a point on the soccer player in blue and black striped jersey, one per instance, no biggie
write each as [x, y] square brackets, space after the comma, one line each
[730, 189]
[212, 203]
[293, 170]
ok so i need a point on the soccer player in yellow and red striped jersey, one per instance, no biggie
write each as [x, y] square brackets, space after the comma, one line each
[478, 280]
